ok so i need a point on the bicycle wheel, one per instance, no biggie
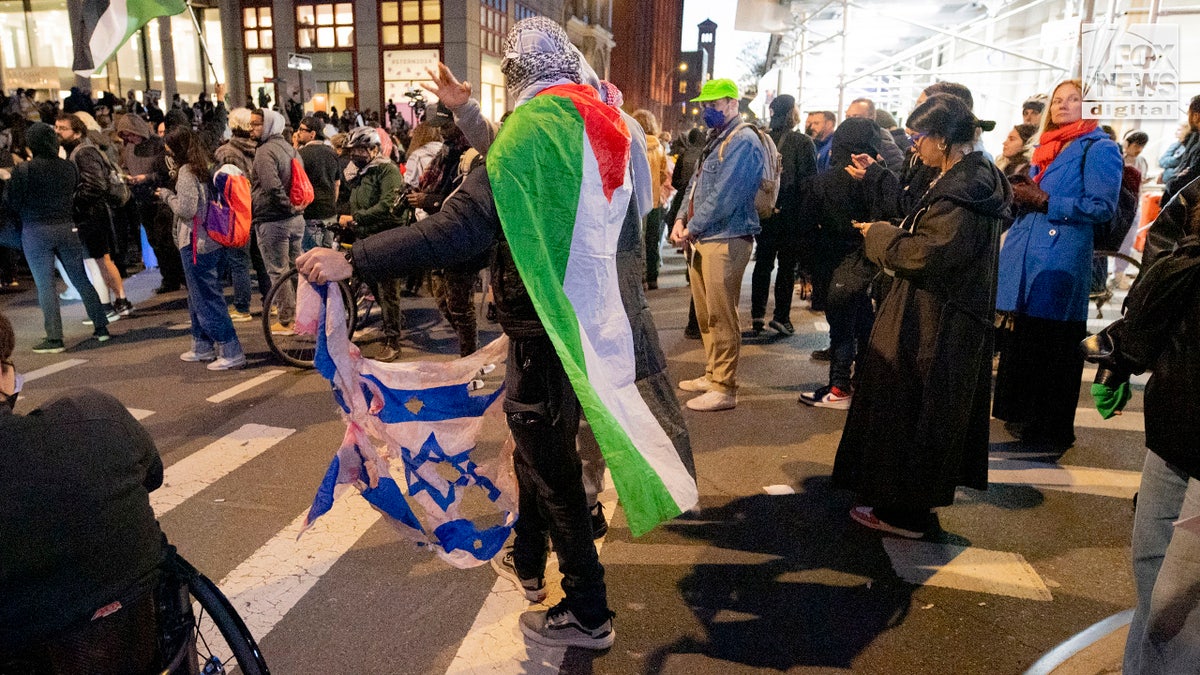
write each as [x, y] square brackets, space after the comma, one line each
[217, 640]
[1102, 288]
[282, 340]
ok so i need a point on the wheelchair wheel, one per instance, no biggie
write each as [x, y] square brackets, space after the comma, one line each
[296, 350]
[216, 640]
[1102, 288]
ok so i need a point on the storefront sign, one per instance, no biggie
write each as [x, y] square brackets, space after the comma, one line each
[409, 64]
[299, 62]
[1131, 72]
[32, 78]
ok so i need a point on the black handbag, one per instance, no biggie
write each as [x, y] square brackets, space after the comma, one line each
[851, 278]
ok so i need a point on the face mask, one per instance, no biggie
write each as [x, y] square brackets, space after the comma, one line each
[811, 131]
[360, 162]
[714, 118]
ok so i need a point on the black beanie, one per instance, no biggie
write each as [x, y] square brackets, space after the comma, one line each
[41, 140]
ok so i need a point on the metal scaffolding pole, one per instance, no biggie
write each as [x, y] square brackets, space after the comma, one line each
[845, 34]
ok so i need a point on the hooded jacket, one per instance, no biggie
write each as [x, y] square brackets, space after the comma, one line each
[238, 151]
[42, 190]
[93, 168]
[147, 157]
[834, 199]
[931, 348]
[272, 173]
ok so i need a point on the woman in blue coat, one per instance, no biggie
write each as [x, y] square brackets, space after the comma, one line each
[1045, 271]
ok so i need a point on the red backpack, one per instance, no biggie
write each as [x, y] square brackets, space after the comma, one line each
[301, 193]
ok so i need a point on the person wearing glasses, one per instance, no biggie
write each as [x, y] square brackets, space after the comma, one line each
[325, 173]
[918, 424]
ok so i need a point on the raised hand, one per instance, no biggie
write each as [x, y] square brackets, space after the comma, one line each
[447, 87]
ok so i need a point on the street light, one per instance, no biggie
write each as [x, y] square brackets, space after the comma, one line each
[683, 67]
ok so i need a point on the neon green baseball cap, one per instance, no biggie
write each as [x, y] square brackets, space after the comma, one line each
[714, 90]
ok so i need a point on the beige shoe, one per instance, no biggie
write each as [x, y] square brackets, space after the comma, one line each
[278, 328]
[713, 400]
[701, 383]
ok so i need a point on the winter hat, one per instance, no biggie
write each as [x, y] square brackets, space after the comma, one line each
[41, 140]
[782, 104]
[884, 119]
[538, 49]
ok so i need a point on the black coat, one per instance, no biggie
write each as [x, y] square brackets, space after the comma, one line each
[918, 425]
[1160, 331]
[799, 160]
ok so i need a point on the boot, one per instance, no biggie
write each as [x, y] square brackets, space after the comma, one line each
[229, 356]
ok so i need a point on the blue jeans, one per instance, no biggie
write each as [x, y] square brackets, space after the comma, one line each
[316, 233]
[1164, 636]
[41, 244]
[279, 242]
[206, 299]
[238, 262]
[543, 416]
[849, 331]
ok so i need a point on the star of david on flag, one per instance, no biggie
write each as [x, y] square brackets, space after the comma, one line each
[427, 416]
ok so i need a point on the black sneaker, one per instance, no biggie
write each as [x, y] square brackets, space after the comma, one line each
[784, 327]
[599, 522]
[821, 355]
[123, 306]
[756, 326]
[691, 333]
[49, 347]
[534, 589]
[559, 627]
[110, 314]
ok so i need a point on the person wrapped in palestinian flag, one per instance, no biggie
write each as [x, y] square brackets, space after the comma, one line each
[556, 197]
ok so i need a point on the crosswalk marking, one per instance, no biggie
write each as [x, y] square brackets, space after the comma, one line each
[1126, 421]
[1066, 478]
[53, 368]
[821, 326]
[183, 479]
[965, 568]
[268, 584]
[245, 386]
[139, 414]
[495, 645]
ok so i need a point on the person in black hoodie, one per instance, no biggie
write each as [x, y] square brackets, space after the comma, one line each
[1160, 332]
[780, 233]
[41, 196]
[834, 202]
[930, 354]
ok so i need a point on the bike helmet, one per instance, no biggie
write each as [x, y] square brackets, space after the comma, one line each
[362, 137]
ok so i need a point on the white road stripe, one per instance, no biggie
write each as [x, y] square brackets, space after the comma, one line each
[971, 569]
[139, 414]
[495, 644]
[821, 326]
[1126, 421]
[245, 386]
[266, 586]
[183, 479]
[53, 368]
[1066, 478]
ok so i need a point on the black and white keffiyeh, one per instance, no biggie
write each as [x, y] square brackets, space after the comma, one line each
[538, 50]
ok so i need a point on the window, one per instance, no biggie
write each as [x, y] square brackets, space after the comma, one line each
[257, 32]
[683, 86]
[325, 26]
[521, 11]
[411, 23]
[493, 25]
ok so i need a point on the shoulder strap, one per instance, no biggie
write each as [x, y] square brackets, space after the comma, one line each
[729, 137]
[1083, 161]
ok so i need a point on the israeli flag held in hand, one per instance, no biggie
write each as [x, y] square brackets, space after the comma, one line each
[426, 417]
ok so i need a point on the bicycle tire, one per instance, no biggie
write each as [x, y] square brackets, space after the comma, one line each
[299, 350]
[1100, 291]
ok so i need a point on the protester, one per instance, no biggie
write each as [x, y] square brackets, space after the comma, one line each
[819, 126]
[325, 173]
[1032, 110]
[719, 227]
[144, 159]
[214, 339]
[889, 152]
[375, 184]
[426, 143]
[1159, 332]
[692, 148]
[41, 197]
[656, 153]
[1188, 166]
[1015, 156]
[92, 216]
[280, 224]
[1046, 271]
[780, 236]
[238, 151]
[833, 203]
[918, 424]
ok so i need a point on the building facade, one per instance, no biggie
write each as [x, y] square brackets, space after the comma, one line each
[647, 34]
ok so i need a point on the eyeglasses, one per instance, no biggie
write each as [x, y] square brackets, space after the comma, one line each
[917, 137]
[305, 129]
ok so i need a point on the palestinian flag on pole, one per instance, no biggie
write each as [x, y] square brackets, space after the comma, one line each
[560, 176]
[100, 27]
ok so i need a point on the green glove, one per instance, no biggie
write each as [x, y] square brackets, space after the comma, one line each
[1111, 400]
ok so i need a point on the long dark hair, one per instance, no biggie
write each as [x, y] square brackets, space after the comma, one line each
[946, 117]
[189, 151]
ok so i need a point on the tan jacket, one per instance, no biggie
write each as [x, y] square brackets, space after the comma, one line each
[658, 169]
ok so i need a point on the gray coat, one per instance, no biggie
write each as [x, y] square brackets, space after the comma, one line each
[272, 175]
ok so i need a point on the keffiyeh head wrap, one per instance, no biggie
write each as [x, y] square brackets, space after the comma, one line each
[538, 50]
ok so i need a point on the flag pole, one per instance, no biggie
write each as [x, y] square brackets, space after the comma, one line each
[204, 46]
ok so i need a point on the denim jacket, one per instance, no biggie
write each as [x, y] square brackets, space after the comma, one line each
[722, 192]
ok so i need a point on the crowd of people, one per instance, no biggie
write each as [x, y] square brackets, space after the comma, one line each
[928, 255]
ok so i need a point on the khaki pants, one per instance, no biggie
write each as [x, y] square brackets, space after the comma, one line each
[716, 270]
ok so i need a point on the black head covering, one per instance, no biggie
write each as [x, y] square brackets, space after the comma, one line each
[41, 140]
[855, 136]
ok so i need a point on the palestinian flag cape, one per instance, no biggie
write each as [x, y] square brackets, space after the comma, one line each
[100, 27]
[560, 175]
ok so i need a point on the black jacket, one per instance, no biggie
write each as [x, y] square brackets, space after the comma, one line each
[93, 173]
[799, 159]
[42, 192]
[1188, 168]
[1160, 332]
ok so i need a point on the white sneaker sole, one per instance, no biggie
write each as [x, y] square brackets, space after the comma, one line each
[580, 642]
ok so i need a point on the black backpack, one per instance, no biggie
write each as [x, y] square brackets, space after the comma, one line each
[1109, 235]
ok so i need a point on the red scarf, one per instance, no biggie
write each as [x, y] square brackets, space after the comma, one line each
[1053, 142]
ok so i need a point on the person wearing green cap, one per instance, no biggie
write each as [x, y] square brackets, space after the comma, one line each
[718, 225]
